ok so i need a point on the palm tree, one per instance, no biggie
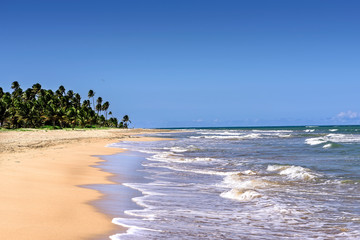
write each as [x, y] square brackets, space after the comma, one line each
[27, 95]
[99, 106]
[15, 85]
[105, 107]
[71, 116]
[36, 107]
[86, 103]
[113, 122]
[70, 93]
[50, 114]
[91, 94]
[125, 121]
[3, 109]
[77, 100]
[62, 90]
[36, 88]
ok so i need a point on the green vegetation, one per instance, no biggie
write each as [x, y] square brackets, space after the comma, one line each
[40, 108]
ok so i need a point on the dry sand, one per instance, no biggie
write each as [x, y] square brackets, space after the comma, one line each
[40, 174]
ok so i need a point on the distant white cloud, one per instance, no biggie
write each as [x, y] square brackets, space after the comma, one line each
[348, 115]
[198, 120]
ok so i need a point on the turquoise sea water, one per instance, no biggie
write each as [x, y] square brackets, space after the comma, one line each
[244, 183]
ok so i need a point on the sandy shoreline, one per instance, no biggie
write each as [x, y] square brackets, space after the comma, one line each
[40, 175]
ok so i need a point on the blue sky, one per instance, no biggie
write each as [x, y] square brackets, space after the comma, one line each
[192, 63]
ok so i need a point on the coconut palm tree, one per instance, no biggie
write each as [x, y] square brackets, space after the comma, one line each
[70, 93]
[62, 90]
[15, 85]
[105, 107]
[98, 108]
[36, 88]
[98, 105]
[125, 121]
[36, 107]
[91, 94]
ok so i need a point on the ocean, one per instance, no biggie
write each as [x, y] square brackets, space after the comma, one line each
[238, 183]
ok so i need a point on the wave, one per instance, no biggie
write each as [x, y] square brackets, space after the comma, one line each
[174, 157]
[230, 137]
[244, 136]
[227, 133]
[293, 172]
[176, 149]
[243, 186]
[309, 130]
[273, 131]
[131, 230]
[184, 169]
[246, 184]
[334, 138]
[332, 145]
[239, 195]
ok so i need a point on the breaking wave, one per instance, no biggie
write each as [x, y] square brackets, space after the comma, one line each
[294, 172]
[333, 138]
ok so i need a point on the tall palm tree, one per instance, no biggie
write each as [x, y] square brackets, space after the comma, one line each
[77, 100]
[105, 107]
[99, 106]
[3, 109]
[91, 94]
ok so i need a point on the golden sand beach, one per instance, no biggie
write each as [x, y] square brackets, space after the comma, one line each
[41, 173]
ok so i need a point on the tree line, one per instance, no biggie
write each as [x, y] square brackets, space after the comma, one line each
[36, 107]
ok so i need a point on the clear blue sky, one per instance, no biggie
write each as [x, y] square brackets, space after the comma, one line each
[192, 63]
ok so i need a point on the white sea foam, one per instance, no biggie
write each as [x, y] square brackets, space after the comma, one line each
[309, 130]
[226, 133]
[256, 134]
[293, 172]
[329, 145]
[233, 181]
[315, 141]
[273, 131]
[174, 157]
[249, 172]
[131, 230]
[207, 172]
[176, 149]
[140, 214]
[333, 130]
[333, 137]
[239, 195]
[238, 137]
[284, 135]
